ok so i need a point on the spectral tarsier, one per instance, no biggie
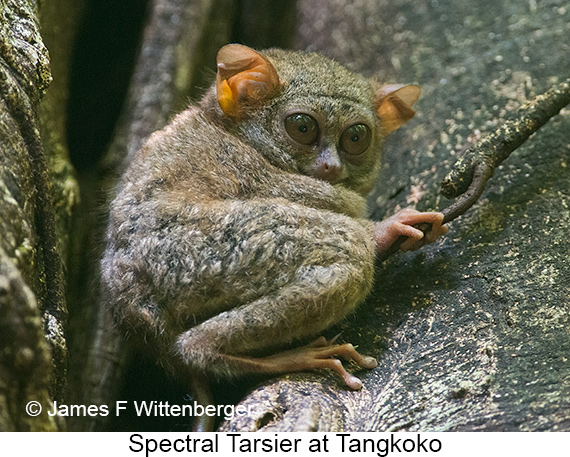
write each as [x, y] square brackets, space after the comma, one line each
[238, 228]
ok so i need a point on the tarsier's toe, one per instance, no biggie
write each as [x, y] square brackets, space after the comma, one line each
[319, 354]
[353, 382]
[348, 352]
[369, 362]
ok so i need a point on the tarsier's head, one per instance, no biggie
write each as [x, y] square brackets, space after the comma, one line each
[309, 114]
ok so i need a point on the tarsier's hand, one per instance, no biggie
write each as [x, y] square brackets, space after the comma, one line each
[387, 232]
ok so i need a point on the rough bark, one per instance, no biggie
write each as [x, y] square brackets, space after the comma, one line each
[471, 333]
[35, 212]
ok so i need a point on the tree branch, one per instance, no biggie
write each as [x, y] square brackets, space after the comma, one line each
[470, 174]
[476, 166]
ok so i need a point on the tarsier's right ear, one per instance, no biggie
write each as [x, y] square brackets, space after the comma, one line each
[245, 79]
[395, 105]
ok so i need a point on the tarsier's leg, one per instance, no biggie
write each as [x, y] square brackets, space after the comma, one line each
[328, 262]
[332, 274]
[319, 297]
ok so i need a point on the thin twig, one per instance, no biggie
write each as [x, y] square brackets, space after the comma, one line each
[476, 166]
[471, 172]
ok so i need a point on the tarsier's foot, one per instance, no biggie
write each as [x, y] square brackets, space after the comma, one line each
[402, 224]
[318, 354]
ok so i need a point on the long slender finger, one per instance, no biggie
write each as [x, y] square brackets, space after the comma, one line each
[409, 231]
[416, 217]
[435, 233]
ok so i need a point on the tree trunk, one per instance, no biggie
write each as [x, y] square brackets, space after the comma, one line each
[38, 196]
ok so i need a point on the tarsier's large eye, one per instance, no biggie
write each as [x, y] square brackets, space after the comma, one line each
[355, 139]
[303, 128]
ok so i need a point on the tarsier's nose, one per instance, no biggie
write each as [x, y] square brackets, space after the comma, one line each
[328, 166]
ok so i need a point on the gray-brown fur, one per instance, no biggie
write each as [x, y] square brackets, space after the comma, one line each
[221, 245]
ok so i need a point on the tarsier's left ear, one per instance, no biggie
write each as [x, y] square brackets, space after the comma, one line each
[245, 79]
[395, 108]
